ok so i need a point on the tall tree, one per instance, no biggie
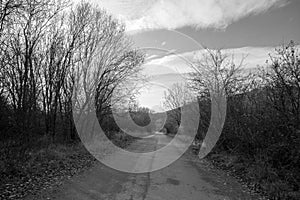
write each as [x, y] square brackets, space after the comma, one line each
[216, 77]
[107, 64]
[21, 56]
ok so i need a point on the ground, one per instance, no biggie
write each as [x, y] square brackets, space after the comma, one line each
[188, 178]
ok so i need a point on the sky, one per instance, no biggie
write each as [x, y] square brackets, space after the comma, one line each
[173, 31]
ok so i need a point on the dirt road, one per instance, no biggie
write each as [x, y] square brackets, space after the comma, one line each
[186, 179]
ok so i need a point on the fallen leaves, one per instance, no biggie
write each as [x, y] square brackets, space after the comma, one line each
[41, 172]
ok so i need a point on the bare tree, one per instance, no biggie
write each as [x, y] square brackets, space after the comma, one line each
[56, 74]
[107, 64]
[216, 77]
[178, 95]
[281, 80]
[49, 48]
[217, 71]
[8, 11]
[174, 98]
[20, 53]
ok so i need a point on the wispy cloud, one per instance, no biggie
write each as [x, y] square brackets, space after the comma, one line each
[180, 63]
[172, 14]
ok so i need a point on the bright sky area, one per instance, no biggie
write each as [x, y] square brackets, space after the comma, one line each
[172, 30]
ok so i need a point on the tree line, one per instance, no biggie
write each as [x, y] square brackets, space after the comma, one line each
[46, 48]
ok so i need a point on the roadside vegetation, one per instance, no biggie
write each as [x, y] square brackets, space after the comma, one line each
[261, 136]
[46, 47]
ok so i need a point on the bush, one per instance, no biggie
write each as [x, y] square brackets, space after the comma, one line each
[262, 128]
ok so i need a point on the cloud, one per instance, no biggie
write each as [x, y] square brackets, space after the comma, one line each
[180, 63]
[172, 14]
[151, 57]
